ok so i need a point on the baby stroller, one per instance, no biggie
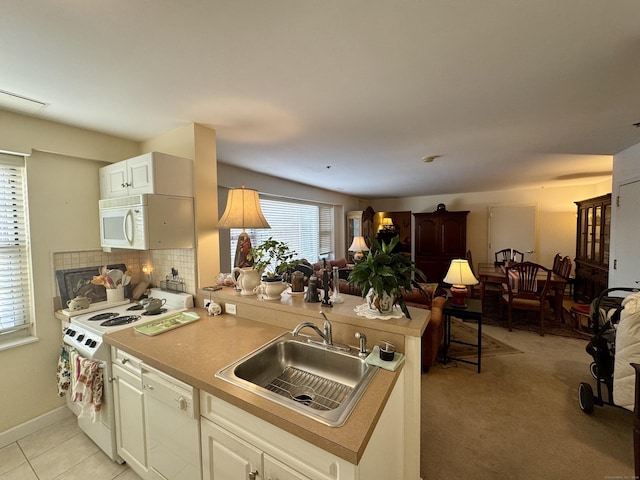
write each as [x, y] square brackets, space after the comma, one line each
[604, 314]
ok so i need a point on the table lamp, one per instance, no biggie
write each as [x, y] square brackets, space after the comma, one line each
[387, 223]
[243, 211]
[357, 247]
[459, 276]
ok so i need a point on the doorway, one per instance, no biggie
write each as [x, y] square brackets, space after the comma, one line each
[513, 226]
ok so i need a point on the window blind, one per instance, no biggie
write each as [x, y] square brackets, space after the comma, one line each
[15, 266]
[306, 227]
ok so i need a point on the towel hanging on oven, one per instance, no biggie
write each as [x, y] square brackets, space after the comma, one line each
[87, 385]
[63, 372]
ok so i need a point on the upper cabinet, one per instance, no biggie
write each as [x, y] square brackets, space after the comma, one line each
[153, 172]
[592, 247]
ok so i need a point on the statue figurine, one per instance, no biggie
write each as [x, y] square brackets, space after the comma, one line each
[326, 302]
[312, 295]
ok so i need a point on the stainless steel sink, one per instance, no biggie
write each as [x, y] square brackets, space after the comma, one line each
[312, 379]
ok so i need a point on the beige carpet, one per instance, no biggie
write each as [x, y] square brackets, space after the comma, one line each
[519, 419]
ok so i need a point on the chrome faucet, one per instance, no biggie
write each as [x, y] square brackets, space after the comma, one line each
[326, 335]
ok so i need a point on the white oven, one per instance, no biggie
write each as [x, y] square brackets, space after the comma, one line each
[83, 334]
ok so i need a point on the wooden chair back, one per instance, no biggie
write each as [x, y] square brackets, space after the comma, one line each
[564, 270]
[503, 256]
[530, 286]
[557, 261]
[517, 256]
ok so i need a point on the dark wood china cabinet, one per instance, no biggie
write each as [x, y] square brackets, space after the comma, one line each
[592, 247]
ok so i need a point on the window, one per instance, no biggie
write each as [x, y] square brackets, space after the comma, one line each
[15, 255]
[305, 226]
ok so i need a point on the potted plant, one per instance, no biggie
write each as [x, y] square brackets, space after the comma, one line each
[272, 258]
[382, 276]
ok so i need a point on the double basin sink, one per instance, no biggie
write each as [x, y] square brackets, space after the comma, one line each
[315, 380]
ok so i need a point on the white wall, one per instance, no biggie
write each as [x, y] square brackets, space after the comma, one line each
[626, 166]
[556, 215]
[63, 193]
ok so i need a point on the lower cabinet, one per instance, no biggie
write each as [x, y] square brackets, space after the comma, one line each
[129, 411]
[227, 456]
[237, 445]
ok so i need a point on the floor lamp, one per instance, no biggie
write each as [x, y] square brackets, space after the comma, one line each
[243, 211]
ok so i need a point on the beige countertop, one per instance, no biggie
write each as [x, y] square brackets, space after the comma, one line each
[194, 352]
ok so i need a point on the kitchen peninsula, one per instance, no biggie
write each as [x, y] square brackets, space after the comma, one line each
[380, 436]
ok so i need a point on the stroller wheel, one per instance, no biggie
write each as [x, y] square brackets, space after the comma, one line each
[585, 397]
[594, 370]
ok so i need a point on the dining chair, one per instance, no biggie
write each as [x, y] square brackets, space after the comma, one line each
[525, 290]
[562, 269]
[503, 256]
[557, 261]
[472, 288]
[517, 256]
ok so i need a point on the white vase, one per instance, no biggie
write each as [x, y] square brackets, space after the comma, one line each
[383, 305]
[248, 279]
[271, 290]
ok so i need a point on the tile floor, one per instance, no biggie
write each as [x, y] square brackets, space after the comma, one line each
[60, 451]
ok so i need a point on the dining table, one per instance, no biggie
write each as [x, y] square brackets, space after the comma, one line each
[492, 273]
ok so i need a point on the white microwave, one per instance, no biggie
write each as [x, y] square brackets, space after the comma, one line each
[147, 222]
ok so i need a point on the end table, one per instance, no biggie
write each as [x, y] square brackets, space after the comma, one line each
[472, 312]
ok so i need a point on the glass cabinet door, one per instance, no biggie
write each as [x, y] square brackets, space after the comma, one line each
[589, 245]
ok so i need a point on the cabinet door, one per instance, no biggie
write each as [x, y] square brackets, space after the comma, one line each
[428, 241]
[454, 236]
[130, 428]
[275, 470]
[140, 174]
[226, 456]
[113, 180]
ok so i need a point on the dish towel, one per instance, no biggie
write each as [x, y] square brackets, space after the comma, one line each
[63, 372]
[87, 386]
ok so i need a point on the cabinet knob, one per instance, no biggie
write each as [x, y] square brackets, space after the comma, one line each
[253, 475]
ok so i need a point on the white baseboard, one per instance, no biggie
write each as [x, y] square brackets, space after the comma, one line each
[27, 428]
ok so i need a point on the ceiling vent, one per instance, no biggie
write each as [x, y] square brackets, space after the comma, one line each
[18, 103]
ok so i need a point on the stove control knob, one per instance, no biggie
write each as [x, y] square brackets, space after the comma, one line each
[71, 333]
[93, 344]
[88, 342]
[80, 338]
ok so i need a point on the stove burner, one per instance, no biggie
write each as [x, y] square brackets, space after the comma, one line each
[120, 320]
[135, 306]
[103, 316]
[157, 312]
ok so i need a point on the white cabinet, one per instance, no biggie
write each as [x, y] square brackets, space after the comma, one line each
[131, 440]
[276, 470]
[153, 172]
[227, 456]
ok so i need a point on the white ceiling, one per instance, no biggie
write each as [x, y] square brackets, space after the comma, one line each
[349, 95]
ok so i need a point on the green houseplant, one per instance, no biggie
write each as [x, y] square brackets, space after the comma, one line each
[272, 258]
[384, 272]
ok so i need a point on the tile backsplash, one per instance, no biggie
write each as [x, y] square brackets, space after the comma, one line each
[160, 263]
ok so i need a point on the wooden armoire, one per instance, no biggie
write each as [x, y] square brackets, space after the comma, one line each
[439, 237]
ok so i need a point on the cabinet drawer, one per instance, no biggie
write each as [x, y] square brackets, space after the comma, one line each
[126, 361]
